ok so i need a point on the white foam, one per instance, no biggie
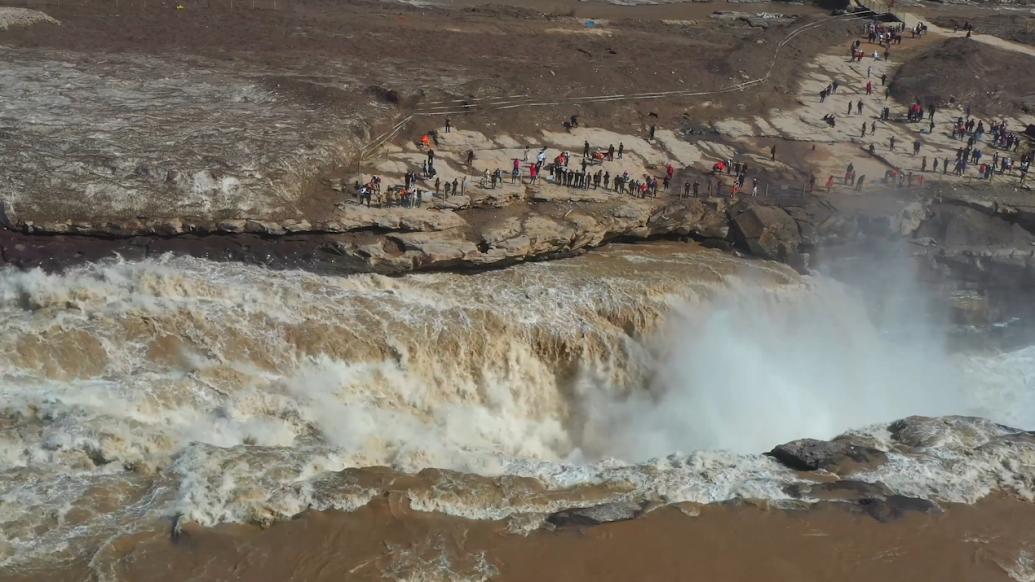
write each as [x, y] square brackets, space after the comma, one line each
[221, 392]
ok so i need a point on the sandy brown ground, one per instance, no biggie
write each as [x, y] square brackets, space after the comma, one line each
[336, 61]
[986, 542]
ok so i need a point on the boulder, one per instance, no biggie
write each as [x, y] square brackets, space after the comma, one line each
[767, 232]
[967, 432]
[892, 507]
[874, 499]
[839, 455]
[596, 515]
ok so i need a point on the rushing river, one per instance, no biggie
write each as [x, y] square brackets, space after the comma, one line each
[133, 393]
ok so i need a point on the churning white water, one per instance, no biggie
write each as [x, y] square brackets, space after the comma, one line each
[224, 392]
[750, 371]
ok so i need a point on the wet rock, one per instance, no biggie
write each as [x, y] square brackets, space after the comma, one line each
[874, 499]
[841, 490]
[596, 515]
[895, 506]
[838, 455]
[966, 432]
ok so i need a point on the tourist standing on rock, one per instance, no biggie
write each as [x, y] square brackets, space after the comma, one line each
[449, 126]
[650, 133]
[772, 152]
[438, 185]
[859, 183]
[869, 87]
[891, 143]
[830, 183]
[455, 185]
[923, 164]
[850, 104]
[859, 107]
[470, 157]
[621, 150]
[863, 134]
[916, 147]
[585, 149]
[611, 152]
[515, 173]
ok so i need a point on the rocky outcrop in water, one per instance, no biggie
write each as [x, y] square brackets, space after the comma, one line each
[596, 515]
[838, 455]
